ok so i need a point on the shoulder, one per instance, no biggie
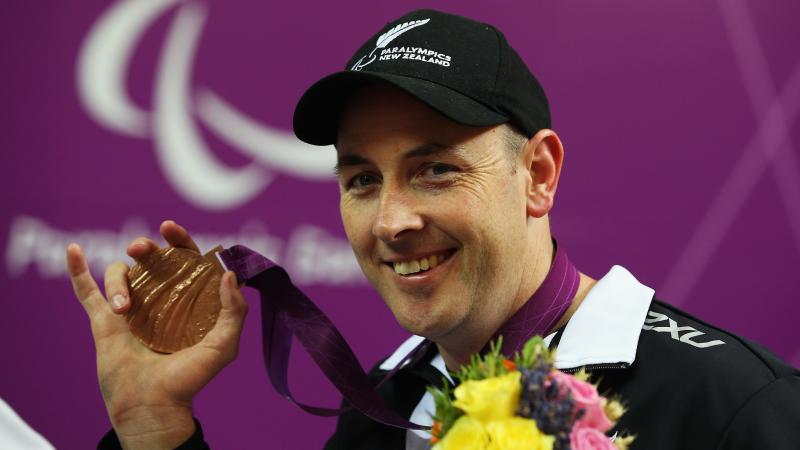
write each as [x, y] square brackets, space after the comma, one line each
[709, 383]
[672, 335]
[699, 365]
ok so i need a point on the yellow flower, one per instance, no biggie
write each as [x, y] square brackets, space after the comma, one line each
[517, 433]
[614, 410]
[466, 434]
[490, 399]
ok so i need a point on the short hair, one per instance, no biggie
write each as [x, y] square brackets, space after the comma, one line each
[513, 140]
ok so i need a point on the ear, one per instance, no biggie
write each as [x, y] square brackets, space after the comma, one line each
[542, 157]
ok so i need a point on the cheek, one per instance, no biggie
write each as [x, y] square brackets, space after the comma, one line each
[509, 205]
[499, 222]
[357, 223]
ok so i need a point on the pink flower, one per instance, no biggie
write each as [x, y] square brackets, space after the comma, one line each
[582, 438]
[586, 398]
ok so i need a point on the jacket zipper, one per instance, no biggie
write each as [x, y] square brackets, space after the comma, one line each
[590, 367]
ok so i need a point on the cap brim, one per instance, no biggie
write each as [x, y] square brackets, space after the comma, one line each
[317, 115]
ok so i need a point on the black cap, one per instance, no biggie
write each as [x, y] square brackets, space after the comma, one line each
[463, 69]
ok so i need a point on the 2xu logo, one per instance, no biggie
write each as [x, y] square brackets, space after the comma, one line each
[180, 110]
[689, 333]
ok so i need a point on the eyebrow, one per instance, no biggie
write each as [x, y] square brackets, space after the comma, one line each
[421, 151]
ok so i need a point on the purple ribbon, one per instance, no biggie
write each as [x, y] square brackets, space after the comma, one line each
[542, 311]
[286, 311]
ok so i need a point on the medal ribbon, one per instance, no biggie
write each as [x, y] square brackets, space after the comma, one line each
[541, 312]
[286, 311]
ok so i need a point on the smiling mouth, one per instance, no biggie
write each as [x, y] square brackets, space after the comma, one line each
[415, 266]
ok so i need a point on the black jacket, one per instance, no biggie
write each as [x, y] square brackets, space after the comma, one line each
[687, 385]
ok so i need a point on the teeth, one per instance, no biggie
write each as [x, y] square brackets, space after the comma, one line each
[418, 265]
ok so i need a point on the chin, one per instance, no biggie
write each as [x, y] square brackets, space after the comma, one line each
[427, 312]
[426, 324]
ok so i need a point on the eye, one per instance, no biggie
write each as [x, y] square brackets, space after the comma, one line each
[438, 169]
[362, 181]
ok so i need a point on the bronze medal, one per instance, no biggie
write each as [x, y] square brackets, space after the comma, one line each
[174, 296]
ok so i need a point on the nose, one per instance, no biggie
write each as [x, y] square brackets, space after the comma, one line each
[397, 215]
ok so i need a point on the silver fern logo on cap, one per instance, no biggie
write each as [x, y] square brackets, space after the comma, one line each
[385, 39]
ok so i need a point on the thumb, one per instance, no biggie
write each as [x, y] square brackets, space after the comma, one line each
[224, 337]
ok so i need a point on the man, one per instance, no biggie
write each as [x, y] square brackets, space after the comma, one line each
[448, 168]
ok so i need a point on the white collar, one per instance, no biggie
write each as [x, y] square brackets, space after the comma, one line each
[604, 330]
[401, 352]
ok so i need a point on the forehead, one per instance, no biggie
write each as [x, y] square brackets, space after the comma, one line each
[380, 117]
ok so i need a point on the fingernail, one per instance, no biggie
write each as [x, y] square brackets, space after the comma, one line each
[232, 282]
[118, 301]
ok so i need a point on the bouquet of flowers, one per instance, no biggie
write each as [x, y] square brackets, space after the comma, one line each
[524, 403]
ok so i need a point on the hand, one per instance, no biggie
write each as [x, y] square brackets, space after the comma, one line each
[149, 395]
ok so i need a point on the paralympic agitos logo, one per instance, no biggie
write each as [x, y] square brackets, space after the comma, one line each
[178, 109]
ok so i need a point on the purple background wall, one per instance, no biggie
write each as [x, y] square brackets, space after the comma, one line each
[679, 119]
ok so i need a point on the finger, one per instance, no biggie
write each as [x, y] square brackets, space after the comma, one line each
[177, 236]
[141, 247]
[116, 282]
[82, 282]
[224, 337]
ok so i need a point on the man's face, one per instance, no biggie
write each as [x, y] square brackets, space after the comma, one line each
[435, 213]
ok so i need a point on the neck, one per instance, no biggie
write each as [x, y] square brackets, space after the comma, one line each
[586, 284]
[557, 291]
